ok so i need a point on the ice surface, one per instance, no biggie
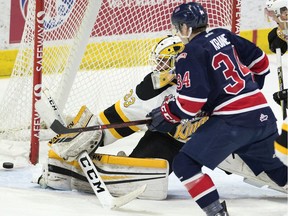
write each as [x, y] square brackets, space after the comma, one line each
[21, 197]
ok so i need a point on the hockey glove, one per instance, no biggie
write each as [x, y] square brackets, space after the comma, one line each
[281, 95]
[162, 118]
[69, 146]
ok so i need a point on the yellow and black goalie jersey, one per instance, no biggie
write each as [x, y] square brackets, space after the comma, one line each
[135, 105]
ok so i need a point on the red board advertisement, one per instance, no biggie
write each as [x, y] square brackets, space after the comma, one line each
[17, 20]
[148, 13]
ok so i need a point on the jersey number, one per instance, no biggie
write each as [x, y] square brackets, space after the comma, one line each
[230, 72]
[128, 99]
[183, 82]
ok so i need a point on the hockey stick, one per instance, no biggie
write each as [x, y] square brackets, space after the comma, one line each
[59, 128]
[53, 105]
[99, 187]
[48, 109]
[280, 80]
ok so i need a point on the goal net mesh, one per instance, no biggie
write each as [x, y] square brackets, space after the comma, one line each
[94, 52]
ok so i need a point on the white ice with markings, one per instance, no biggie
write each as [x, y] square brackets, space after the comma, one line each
[21, 197]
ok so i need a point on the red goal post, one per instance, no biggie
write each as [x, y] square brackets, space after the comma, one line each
[93, 52]
[37, 79]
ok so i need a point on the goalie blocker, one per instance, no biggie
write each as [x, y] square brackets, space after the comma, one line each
[120, 174]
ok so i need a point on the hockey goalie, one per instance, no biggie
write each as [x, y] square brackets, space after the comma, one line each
[150, 162]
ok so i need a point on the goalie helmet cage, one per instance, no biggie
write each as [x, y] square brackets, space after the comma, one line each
[93, 52]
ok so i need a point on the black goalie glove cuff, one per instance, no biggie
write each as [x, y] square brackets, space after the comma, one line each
[281, 96]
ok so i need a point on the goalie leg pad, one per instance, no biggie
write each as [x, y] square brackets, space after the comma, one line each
[125, 174]
[120, 174]
[56, 173]
[69, 146]
[237, 166]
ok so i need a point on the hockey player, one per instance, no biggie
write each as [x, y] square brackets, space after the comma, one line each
[135, 105]
[277, 10]
[218, 74]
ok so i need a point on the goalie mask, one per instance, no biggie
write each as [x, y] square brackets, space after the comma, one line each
[162, 60]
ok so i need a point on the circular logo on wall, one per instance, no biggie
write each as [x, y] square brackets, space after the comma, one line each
[55, 16]
[24, 5]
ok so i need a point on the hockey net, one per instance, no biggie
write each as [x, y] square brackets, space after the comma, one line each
[93, 52]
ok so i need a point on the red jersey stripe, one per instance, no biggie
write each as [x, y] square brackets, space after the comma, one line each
[190, 105]
[242, 103]
[260, 66]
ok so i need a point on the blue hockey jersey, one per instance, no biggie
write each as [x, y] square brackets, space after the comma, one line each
[221, 73]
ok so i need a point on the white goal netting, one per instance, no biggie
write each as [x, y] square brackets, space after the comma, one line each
[94, 51]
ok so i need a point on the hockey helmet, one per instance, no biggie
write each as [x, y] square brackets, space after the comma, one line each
[192, 14]
[162, 60]
[278, 7]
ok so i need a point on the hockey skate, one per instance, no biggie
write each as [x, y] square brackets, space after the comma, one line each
[216, 209]
[224, 211]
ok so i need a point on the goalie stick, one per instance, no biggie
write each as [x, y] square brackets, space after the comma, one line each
[280, 80]
[53, 105]
[59, 128]
[99, 187]
[48, 109]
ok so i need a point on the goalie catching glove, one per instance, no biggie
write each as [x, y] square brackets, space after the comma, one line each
[69, 146]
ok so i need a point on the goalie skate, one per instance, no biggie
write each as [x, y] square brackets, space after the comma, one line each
[69, 146]
[237, 166]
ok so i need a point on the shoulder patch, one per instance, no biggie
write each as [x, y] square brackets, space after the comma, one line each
[181, 55]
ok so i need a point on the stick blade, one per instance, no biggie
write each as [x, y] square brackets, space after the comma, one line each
[120, 201]
[58, 128]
